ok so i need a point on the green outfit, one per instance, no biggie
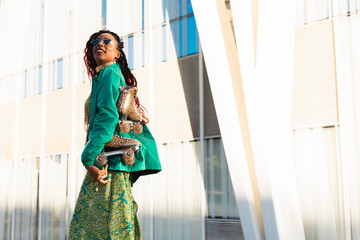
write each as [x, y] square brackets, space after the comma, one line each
[110, 213]
[103, 120]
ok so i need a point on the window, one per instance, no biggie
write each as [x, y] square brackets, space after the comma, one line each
[220, 196]
[163, 30]
[130, 55]
[174, 27]
[59, 74]
[40, 80]
[142, 15]
[103, 14]
[143, 48]
[192, 36]
[189, 7]
[58, 158]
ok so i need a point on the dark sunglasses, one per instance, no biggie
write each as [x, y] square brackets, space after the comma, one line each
[96, 42]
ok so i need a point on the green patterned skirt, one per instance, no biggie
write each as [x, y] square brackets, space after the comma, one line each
[109, 213]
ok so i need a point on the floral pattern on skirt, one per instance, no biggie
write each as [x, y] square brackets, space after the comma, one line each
[109, 213]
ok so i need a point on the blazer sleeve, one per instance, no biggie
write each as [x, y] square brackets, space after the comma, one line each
[106, 116]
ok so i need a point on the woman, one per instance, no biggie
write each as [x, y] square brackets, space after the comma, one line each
[105, 208]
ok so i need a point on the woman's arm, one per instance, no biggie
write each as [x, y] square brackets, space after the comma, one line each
[106, 117]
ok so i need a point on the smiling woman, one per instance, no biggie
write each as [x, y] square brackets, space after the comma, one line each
[104, 49]
[105, 208]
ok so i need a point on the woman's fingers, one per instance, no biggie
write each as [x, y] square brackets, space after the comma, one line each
[104, 181]
[103, 174]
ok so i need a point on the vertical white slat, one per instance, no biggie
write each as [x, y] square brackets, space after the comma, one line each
[321, 10]
[202, 162]
[345, 95]
[354, 175]
[138, 50]
[352, 6]
[300, 13]
[317, 183]
[310, 11]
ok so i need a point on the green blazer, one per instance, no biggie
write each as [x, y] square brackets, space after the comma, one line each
[103, 120]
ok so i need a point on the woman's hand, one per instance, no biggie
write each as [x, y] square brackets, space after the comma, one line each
[98, 174]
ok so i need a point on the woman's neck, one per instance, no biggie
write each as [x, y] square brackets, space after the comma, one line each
[98, 68]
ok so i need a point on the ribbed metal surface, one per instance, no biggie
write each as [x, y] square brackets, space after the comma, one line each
[211, 124]
[315, 92]
[189, 70]
[223, 229]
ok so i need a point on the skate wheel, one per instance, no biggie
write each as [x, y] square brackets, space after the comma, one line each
[125, 127]
[100, 159]
[138, 128]
[129, 156]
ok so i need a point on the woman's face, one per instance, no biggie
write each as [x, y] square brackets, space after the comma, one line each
[105, 53]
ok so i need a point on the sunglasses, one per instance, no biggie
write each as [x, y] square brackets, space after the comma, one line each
[96, 42]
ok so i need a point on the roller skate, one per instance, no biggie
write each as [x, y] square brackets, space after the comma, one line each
[119, 146]
[129, 115]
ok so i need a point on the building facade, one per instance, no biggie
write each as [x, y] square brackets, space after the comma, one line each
[256, 126]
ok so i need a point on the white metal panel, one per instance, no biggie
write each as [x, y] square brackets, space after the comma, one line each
[316, 160]
[138, 50]
[315, 92]
[354, 174]
[175, 211]
[87, 16]
[310, 11]
[158, 8]
[57, 27]
[321, 8]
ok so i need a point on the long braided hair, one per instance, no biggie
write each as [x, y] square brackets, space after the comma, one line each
[130, 79]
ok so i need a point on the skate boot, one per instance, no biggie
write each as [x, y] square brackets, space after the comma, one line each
[129, 115]
[119, 146]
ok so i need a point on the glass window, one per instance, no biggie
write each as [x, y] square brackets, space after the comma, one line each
[142, 14]
[189, 8]
[174, 28]
[40, 80]
[130, 55]
[163, 29]
[174, 8]
[220, 195]
[164, 7]
[192, 36]
[103, 14]
[58, 158]
[59, 74]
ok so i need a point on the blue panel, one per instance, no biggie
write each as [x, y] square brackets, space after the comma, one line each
[40, 80]
[164, 9]
[131, 52]
[142, 14]
[174, 8]
[189, 7]
[59, 74]
[103, 13]
[192, 36]
[174, 27]
[181, 40]
[163, 29]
